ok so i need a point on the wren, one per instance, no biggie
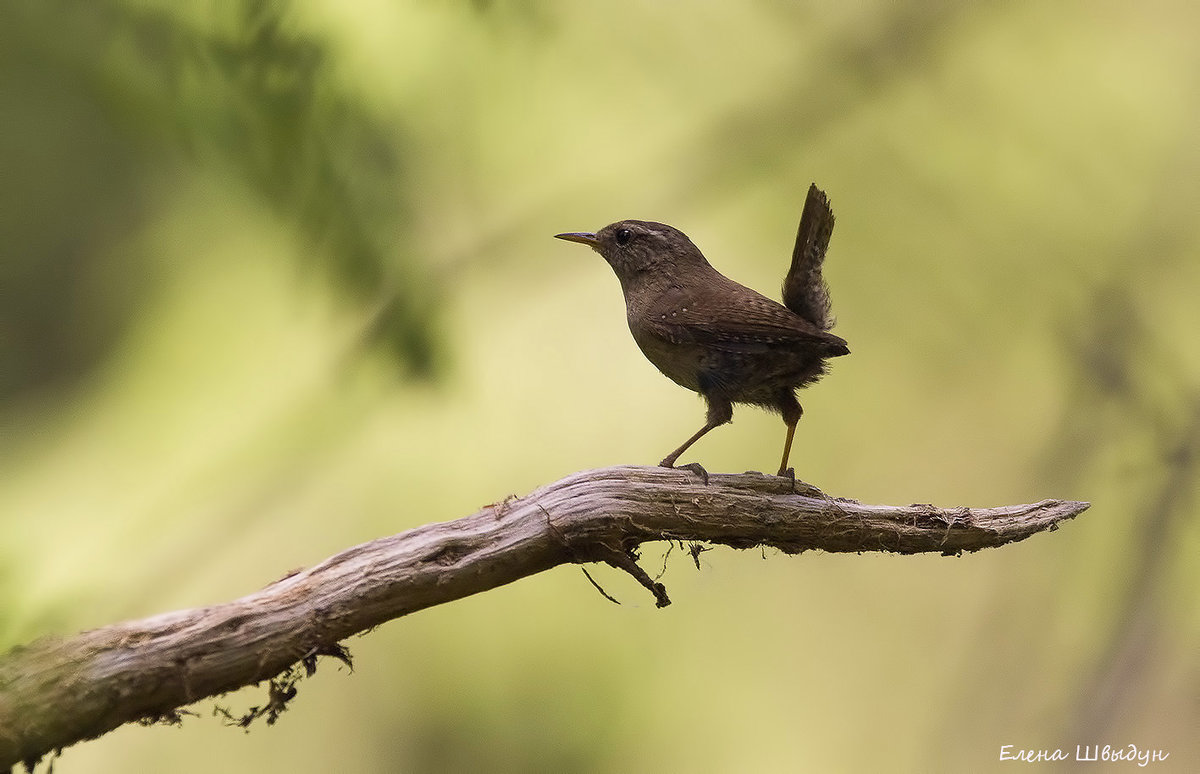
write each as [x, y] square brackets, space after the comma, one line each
[718, 338]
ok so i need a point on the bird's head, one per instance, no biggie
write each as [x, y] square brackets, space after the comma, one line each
[633, 247]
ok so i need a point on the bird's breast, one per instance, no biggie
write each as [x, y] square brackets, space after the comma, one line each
[681, 363]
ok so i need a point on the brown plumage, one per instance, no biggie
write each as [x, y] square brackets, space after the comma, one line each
[804, 289]
[711, 335]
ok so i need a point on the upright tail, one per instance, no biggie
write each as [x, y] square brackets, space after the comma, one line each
[804, 289]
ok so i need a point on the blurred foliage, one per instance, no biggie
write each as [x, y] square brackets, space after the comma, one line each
[130, 89]
[228, 227]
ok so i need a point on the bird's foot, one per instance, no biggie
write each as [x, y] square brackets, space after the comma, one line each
[698, 469]
[805, 488]
[695, 467]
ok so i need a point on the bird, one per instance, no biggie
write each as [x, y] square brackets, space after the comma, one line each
[716, 337]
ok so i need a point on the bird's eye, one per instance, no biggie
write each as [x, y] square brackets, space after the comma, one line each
[623, 236]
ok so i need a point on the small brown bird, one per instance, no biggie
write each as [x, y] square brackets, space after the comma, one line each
[718, 338]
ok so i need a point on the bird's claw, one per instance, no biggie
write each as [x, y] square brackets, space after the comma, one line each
[695, 467]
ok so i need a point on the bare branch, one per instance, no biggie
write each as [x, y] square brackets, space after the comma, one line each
[55, 692]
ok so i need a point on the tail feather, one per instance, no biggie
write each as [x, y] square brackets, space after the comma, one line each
[804, 289]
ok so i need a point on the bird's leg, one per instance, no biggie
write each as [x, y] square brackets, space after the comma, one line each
[787, 450]
[669, 460]
[720, 411]
[790, 408]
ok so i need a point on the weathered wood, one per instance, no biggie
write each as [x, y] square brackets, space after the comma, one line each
[55, 692]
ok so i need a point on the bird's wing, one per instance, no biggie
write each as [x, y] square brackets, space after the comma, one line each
[744, 322]
[804, 289]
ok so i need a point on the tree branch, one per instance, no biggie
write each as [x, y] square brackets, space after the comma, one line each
[55, 692]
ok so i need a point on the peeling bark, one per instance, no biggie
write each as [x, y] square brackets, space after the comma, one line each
[58, 691]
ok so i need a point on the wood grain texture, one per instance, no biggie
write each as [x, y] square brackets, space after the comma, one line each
[57, 691]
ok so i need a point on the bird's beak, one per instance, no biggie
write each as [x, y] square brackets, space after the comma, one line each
[582, 238]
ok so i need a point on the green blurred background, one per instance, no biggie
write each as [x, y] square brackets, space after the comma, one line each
[278, 278]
